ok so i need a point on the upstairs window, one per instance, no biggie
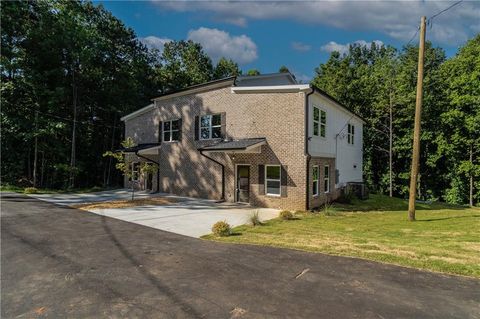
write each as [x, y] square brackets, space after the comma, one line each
[351, 134]
[171, 131]
[319, 122]
[210, 126]
[326, 179]
[272, 180]
[315, 173]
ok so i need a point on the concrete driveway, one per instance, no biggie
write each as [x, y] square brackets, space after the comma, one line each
[58, 262]
[187, 216]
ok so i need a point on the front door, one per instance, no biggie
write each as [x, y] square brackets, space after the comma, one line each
[243, 183]
[149, 181]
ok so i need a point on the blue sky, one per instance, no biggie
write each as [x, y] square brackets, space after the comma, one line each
[300, 35]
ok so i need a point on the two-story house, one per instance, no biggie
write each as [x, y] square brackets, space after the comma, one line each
[264, 140]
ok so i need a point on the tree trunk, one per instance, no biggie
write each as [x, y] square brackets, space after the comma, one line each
[42, 169]
[390, 152]
[471, 178]
[72, 154]
[35, 155]
[110, 158]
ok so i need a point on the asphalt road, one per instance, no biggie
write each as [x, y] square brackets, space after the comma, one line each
[58, 262]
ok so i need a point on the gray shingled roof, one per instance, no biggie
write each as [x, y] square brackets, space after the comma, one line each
[138, 147]
[238, 145]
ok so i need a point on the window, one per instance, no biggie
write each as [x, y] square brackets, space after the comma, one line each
[171, 131]
[316, 173]
[351, 134]
[210, 126]
[272, 180]
[326, 179]
[319, 122]
[135, 171]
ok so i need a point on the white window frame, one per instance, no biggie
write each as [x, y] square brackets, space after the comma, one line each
[171, 130]
[315, 181]
[279, 180]
[351, 134]
[319, 122]
[326, 178]
[210, 126]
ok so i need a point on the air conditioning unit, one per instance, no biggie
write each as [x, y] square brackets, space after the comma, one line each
[359, 189]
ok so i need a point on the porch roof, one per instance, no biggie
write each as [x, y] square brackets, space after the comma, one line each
[244, 144]
[140, 148]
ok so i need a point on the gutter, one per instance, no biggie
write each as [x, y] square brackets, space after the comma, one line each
[307, 153]
[158, 170]
[223, 173]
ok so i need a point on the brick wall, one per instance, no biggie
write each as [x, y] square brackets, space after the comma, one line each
[321, 162]
[279, 117]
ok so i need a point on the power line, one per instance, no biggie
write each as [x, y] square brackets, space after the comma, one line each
[429, 20]
[413, 37]
[77, 121]
[444, 10]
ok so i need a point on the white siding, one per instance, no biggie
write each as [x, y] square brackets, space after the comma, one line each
[349, 158]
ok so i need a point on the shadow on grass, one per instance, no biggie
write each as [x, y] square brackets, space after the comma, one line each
[445, 218]
[385, 203]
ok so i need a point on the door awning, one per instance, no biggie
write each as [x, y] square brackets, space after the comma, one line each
[246, 145]
[145, 149]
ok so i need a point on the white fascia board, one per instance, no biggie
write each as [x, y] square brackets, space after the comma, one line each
[273, 88]
[341, 107]
[138, 112]
[200, 88]
[148, 151]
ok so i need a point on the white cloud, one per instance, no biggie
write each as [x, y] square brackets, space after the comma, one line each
[153, 42]
[343, 48]
[218, 43]
[301, 47]
[397, 19]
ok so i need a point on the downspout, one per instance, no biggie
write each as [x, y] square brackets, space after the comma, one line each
[307, 153]
[223, 173]
[158, 169]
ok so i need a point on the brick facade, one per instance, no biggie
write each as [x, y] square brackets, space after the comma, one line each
[319, 200]
[278, 117]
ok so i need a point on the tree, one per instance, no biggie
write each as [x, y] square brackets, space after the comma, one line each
[379, 83]
[226, 68]
[460, 140]
[253, 72]
[183, 63]
[283, 69]
[87, 49]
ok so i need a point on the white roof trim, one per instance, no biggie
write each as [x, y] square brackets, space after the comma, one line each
[147, 151]
[196, 89]
[138, 112]
[255, 148]
[340, 107]
[272, 88]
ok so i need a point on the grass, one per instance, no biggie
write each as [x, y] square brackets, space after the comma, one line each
[126, 203]
[445, 238]
[16, 189]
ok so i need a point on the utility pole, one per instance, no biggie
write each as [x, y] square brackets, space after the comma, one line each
[35, 152]
[416, 130]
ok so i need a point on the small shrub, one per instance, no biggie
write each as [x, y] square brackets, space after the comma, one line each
[96, 189]
[255, 220]
[285, 215]
[221, 229]
[30, 190]
[327, 207]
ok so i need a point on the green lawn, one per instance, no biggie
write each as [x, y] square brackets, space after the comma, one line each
[444, 238]
[16, 189]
